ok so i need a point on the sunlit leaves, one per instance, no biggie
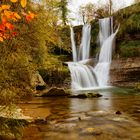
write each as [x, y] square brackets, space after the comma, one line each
[23, 3]
[1, 39]
[8, 17]
[4, 7]
[13, 1]
[30, 16]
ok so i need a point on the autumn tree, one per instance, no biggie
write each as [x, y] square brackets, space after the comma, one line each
[9, 16]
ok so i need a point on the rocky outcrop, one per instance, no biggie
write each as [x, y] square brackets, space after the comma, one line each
[60, 92]
[37, 81]
[125, 72]
[54, 92]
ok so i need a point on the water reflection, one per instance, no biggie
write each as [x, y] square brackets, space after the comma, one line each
[70, 118]
[105, 103]
[123, 100]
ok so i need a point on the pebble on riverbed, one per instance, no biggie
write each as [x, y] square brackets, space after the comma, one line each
[118, 112]
[91, 131]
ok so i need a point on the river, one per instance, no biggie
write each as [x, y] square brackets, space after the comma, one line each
[114, 116]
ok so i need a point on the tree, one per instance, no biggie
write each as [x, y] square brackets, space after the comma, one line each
[25, 52]
[110, 7]
[136, 1]
[105, 10]
[87, 12]
[64, 10]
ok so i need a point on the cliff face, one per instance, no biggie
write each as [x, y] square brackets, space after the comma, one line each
[125, 72]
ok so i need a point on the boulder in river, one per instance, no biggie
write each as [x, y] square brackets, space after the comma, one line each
[55, 92]
[86, 95]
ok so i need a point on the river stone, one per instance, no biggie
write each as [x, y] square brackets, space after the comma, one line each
[55, 92]
[91, 131]
[86, 95]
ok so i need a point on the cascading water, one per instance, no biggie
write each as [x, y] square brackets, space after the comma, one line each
[106, 37]
[85, 76]
[74, 50]
[82, 75]
[85, 43]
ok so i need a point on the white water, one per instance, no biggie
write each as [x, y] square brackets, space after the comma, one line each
[74, 51]
[85, 76]
[82, 76]
[105, 57]
[85, 43]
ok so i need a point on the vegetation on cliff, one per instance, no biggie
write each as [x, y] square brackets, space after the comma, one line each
[128, 37]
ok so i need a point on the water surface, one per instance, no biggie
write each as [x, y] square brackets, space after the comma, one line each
[80, 119]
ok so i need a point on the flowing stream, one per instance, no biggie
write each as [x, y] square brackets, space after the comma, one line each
[83, 75]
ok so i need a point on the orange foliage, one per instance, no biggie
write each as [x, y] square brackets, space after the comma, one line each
[30, 16]
[8, 17]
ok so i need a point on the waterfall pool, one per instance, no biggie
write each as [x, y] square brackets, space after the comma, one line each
[114, 116]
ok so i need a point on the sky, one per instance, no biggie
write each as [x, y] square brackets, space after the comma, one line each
[74, 6]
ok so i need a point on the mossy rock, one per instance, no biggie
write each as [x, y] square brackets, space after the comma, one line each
[55, 92]
[86, 95]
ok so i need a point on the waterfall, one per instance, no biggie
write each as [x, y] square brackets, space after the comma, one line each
[85, 43]
[83, 75]
[107, 37]
[74, 51]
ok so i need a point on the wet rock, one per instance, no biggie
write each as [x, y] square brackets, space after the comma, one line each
[118, 112]
[40, 121]
[91, 131]
[40, 87]
[65, 64]
[106, 98]
[136, 111]
[84, 118]
[73, 119]
[64, 127]
[54, 92]
[86, 95]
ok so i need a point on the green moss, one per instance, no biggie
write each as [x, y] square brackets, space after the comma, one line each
[11, 128]
[130, 49]
[128, 18]
[53, 71]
